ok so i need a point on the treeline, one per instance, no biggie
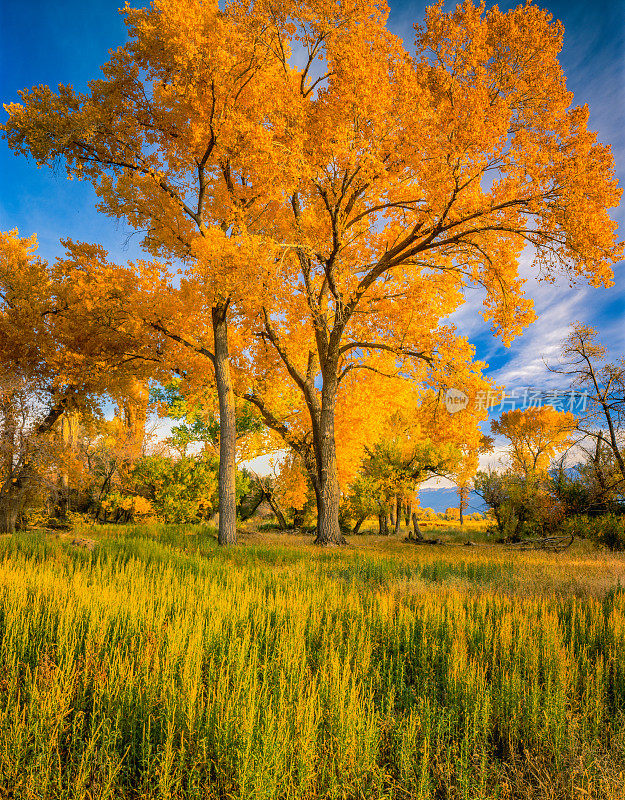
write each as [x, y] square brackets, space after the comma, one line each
[309, 226]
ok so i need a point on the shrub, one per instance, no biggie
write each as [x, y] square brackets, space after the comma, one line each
[577, 525]
[181, 491]
[520, 507]
[609, 531]
[124, 508]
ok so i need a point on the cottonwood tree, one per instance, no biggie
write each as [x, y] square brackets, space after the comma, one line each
[522, 497]
[416, 441]
[535, 436]
[388, 181]
[583, 361]
[176, 138]
[421, 174]
[51, 352]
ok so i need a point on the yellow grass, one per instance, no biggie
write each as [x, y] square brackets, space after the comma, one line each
[158, 666]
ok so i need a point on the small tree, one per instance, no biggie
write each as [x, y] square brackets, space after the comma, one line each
[583, 361]
[535, 436]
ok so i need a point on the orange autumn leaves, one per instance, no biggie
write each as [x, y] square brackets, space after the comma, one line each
[60, 331]
[336, 191]
[450, 159]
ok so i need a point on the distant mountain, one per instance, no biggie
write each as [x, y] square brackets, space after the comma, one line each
[442, 499]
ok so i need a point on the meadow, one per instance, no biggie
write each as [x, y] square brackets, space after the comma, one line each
[159, 666]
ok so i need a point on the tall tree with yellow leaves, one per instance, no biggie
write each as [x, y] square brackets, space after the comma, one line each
[174, 139]
[419, 176]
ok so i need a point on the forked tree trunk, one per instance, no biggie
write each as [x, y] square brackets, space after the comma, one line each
[278, 512]
[227, 429]
[416, 535]
[267, 494]
[359, 521]
[383, 523]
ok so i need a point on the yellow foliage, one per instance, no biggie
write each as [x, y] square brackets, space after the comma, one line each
[536, 436]
[335, 222]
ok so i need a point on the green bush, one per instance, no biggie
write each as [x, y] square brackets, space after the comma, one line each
[609, 531]
[578, 525]
[180, 491]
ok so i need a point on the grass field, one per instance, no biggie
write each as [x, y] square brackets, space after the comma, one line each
[157, 666]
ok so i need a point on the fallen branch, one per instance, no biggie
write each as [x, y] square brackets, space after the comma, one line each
[552, 544]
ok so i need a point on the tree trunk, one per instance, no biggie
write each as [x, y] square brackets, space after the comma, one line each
[227, 429]
[359, 522]
[613, 442]
[597, 465]
[328, 529]
[9, 510]
[277, 511]
[383, 523]
[392, 515]
[463, 495]
[327, 490]
[269, 496]
[417, 535]
[398, 514]
[245, 515]
[18, 475]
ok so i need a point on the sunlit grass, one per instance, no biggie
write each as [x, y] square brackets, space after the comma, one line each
[158, 666]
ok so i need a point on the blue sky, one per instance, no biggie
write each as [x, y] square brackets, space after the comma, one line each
[66, 42]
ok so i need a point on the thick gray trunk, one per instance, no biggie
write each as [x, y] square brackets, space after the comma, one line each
[327, 486]
[227, 429]
[328, 530]
[9, 511]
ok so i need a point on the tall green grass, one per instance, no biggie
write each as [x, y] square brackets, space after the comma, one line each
[140, 670]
